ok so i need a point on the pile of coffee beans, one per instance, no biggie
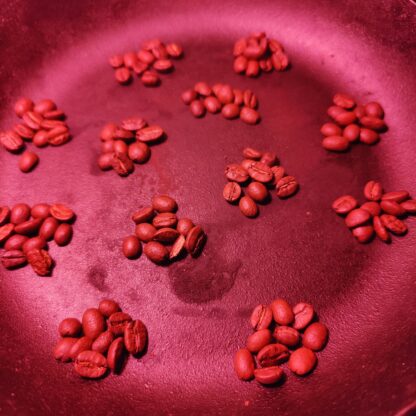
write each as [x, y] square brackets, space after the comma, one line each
[256, 53]
[166, 237]
[379, 215]
[281, 333]
[232, 103]
[127, 143]
[352, 123]
[42, 124]
[153, 56]
[101, 341]
[258, 172]
[25, 232]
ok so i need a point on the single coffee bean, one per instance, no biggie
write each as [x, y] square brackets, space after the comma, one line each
[393, 224]
[247, 163]
[244, 364]
[216, 88]
[164, 203]
[139, 152]
[22, 106]
[40, 211]
[345, 118]
[103, 342]
[135, 337]
[145, 232]
[118, 321]
[82, 344]
[212, 105]
[363, 234]
[93, 323]
[132, 247]
[357, 217]
[13, 259]
[108, 132]
[374, 109]
[58, 135]
[5, 232]
[188, 96]
[63, 234]
[409, 206]
[302, 361]
[260, 172]
[248, 207]
[238, 96]
[344, 101]
[116, 355]
[282, 312]
[249, 115]
[124, 135]
[163, 65]
[177, 247]
[165, 219]
[184, 226]
[195, 241]
[278, 173]
[146, 56]
[32, 120]
[122, 164]
[315, 336]
[107, 307]
[143, 215]
[344, 204]
[352, 132]
[197, 108]
[129, 59]
[359, 111]
[48, 124]
[150, 134]
[28, 227]
[225, 94]
[381, 230]
[48, 228]
[61, 212]
[232, 192]
[44, 105]
[268, 375]
[156, 252]
[24, 131]
[372, 207]
[287, 186]
[174, 50]
[28, 160]
[250, 153]
[304, 314]
[166, 235]
[272, 355]
[236, 173]
[62, 349]
[34, 243]
[203, 88]
[19, 213]
[388, 206]
[250, 99]
[373, 123]
[90, 364]
[107, 146]
[230, 111]
[259, 339]
[397, 196]
[336, 143]
[122, 75]
[368, 136]
[261, 317]
[253, 68]
[373, 191]
[270, 159]
[11, 141]
[105, 161]
[275, 46]
[331, 129]
[239, 47]
[15, 242]
[334, 111]
[70, 327]
[40, 260]
[4, 215]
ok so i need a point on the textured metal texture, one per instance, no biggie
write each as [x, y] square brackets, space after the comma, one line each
[197, 311]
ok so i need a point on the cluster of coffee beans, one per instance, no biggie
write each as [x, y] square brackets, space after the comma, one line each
[378, 215]
[165, 237]
[277, 339]
[42, 124]
[124, 145]
[101, 341]
[231, 102]
[154, 54]
[257, 53]
[258, 172]
[25, 232]
[352, 123]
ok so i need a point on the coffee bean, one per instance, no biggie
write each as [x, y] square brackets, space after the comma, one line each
[115, 355]
[336, 143]
[368, 136]
[345, 118]
[62, 349]
[151, 44]
[372, 207]
[390, 207]
[70, 327]
[270, 159]
[363, 234]
[11, 141]
[272, 354]
[143, 215]
[165, 219]
[344, 101]
[268, 375]
[334, 110]
[146, 56]
[249, 115]
[287, 186]
[357, 217]
[23, 131]
[13, 259]
[150, 134]
[374, 109]
[90, 364]
[129, 59]
[216, 88]
[19, 213]
[44, 105]
[250, 153]
[393, 224]
[236, 173]
[230, 111]
[278, 173]
[177, 247]
[103, 342]
[150, 79]
[61, 212]
[331, 129]
[409, 206]
[315, 336]
[139, 152]
[184, 226]
[156, 252]
[259, 339]
[197, 108]
[188, 96]
[381, 230]
[93, 323]
[373, 123]
[15, 242]
[107, 307]
[240, 64]
[34, 243]
[22, 106]
[131, 247]
[304, 314]
[397, 196]
[5, 232]
[212, 104]
[32, 120]
[174, 50]
[82, 344]
[48, 228]
[352, 132]
[118, 321]
[122, 75]
[166, 235]
[122, 164]
[239, 47]
[108, 132]
[203, 89]
[145, 232]
[4, 215]
[260, 172]
[232, 192]
[250, 99]
[164, 203]
[195, 241]
[63, 234]
[244, 364]
[344, 204]
[373, 190]
[58, 136]
[54, 115]
[359, 111]
[163, 65]
[286, 336]
[282, 312]
[135, 337]
[29, 227]
[253, 68]
[40, 211]
[275, 46]
[302, 361]
[280, 61]
[247, 163]
[261, 317]
[248, 207]
[40, 260]
[105, 161]
[225, 94]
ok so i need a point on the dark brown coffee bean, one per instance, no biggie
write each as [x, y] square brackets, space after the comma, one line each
[48, 228]
[397, 196]
[11, 141]
[302, 361]
[344, 101]
[156, 252]
[174, 50]
[19, 213]
[29, 227]
[345, 118]
[363, 234]
[195, 241]
[184, 226]
[32, 119]
[272, 355]
[260, 172]
[107, 146]
[165, 219]
[280, 61]
[344, 204]
[135, 337]
[177, 247]
[230, 111]
[357, 217]
[122, 75]
[107, 307]
[287, 336]
[132, 247]
[232, 192]
[90, 364]
[249, 115]
[22, 106]
[373, 191]
[4, 215]
[240, 64]
[409, 206]
[122, 164]
[282, 312]
[33, 243]
[393, 224]
[372, 207]
[257, 191]
[164, 203]
[278, 173]
[203, 89]
[70, 327]
[40, 260]
[12, 259]
[197, 108]
[93, 323]
[261, 317]
[166, 235]
[212, 105]
[5, 232]
[258, 340]
[119, 146]
[287, 186]
[352, 132]
[381, 230]
[248, 207]
[58, 136]
[373, 123]
[150, 134]
[143, 215]
[63, 234]
[82, 344]
[130, 124]
[61, 212]
[389, 207]
[105, 161]
[244, 364]
[15, 242]
[40, 211]
[145, 232]
[331, 129]
[118, 321]
[62, 349]
[188, 96]
[44, 105]
[250, 153]
[24, 131]
[315, 336]
[374, 109]
[236, 173]
[268, 375]
[103, 342]
[368, 136]
[116, 355]
[304, 314]
[336, 143]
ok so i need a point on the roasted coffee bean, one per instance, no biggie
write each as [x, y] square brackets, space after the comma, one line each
[368, 136]
[61, 212]
[268, 375]
[63, 234]
[357, 217]
[165, 219]
[249, 115]
[119, 146]
[82, 344]
[216, 88]
[122, 75]
[70, 327]
[15, 242]
[225, 94]
[363, 234]
[140, 67]
[195, 241]
[116, 354]
[40, 260]
[397, 196]
[236, 173]
[32, 120]
[105, 161]
[389, 207]
[13, 259]
[278, 173]
[166, 235]
[393, 224]
[24, 131]
[381, 230]
[282, 312]
[212, 105]
[174, 50]
[29, 227]
[344, 101]
[287, 186]
[373, 123]
[188, 96]
[240, 64]
[22, 106]
[58, 136]
[164, 203]
[373, 191]
[345, 118]
[270, 159]
[11, 141]
[374, 109]
[34, 243]
[48, 125]
[62, 349]
[146, 56]
[129, 59]
[124, 135]
[135, 337]
[40, 211]
[103, 342]
[232, 192]
[331, 129]
[336, 143]
[177, 247]
[107, 146]
[150, 134]
[359, 111]
[344, 204]
[304, 314]
[272, 354]
[93, 323]
[143, 215]
[203, 89]
[244, 364]
[248, 207]
[19, 213]
[132, 247]
[302, 361]
[145, 232]
[156, 252]
[107, 307]
[239, 47]
[372, 207]
[5, 232]
[4, 215]
[334, 110]
[275, 46]
[184, 226]
[315, 336]
[197, 108]
[261, 317]
[250, 153]
[352, 132]
[260, 172]
[48, 228]
[250, 99]
[108, 132]
[122, 164]
[130, 124]
[247, 163]
[90, 364]
[258, 340]
[44, 105]
[253, 68]
[118, 321]
[280, 61]
[409, 206]
[230, 111]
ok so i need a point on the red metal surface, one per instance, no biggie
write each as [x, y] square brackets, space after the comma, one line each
[196, 311]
